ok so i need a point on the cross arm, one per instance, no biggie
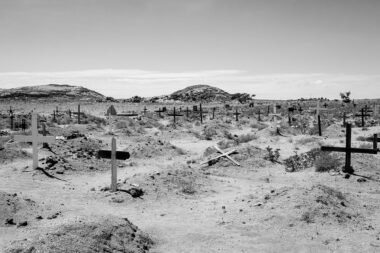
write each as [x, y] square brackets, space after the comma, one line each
[351, 150]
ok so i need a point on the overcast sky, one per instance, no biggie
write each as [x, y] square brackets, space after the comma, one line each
[271, 48]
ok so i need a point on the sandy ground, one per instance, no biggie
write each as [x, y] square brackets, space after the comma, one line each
[236, 209]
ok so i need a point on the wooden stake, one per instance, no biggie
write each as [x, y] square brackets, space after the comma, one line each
[113, 166]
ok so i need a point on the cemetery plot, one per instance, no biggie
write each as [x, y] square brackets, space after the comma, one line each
[220, 180]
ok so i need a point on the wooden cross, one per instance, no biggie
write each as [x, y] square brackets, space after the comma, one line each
[362, 115]
[344, 119]
[113, 155]
[348, 150]
[318, 109]
[274, 116]
[23, 124]
[159, 112]
[237, 114]
[367, 109]
[213, 112]
[259, 114]
[187, 112]
[201, 112]
[223, 153]
[174, 114]
[78, 113]
[35, 138]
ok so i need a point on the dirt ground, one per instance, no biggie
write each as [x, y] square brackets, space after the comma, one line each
[185, 206]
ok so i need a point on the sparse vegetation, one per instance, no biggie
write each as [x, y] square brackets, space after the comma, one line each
[327, 162]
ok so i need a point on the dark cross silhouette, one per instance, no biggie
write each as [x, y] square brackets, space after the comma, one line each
[213, 113]
[367, 109]
[348, 150]
[187, 112]
[23, 124]
[174, 115]
[325, 105]
[237, 114]
[201, 112]
[159, 112]
[363, 115]
[259, 115]
[11, 117]
[78, 113]
[319, 125]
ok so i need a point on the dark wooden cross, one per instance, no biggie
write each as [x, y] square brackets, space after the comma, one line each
[159, 112]
[259, 115]
[363, 115]
[11, 117]
[174, 115]
[367, 109]
[187, 112]
[23, 124]
[113, 155]
[213, 112]
[78, 113]
[237, 114]
[349, 150]
[201, 112]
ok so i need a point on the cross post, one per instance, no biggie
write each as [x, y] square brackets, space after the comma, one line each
[35, 138]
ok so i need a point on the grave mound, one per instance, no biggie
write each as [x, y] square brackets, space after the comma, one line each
[109, 235]
[147, 147]
[318, 204]
[16, 210]
[8, 155]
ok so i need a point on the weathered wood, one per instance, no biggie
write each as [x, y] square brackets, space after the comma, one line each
[363, 115]
[237, 114]
[35, 138]
[226, 155]
[319, 125]
[114, 155]
[348, 150]
[174, 115]
[107, 154]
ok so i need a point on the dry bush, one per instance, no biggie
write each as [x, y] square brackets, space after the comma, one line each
[326, 162]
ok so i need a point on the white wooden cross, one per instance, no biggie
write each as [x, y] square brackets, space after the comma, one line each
[318, 109]
[274, 116]
[35, 138]
[223, 153]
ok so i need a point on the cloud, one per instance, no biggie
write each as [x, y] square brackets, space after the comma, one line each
[121, 83]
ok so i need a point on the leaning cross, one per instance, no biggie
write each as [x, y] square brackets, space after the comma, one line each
[35, 138]
[113, 155]
[223, 153]
[348, 150]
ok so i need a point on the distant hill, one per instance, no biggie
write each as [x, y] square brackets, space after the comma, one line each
[200, 92]
[51, 92]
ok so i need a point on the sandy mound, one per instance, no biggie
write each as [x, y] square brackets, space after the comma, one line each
[319, 204]
[8, 155]
[110, 235]
[15, 210]
[148, 147]
[334, 131]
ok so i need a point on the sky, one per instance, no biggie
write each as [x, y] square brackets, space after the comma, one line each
[276, 49]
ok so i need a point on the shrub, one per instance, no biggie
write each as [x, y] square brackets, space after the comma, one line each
[273, 155]
[326, 162]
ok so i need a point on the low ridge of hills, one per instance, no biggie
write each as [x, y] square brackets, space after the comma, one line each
[55, 92]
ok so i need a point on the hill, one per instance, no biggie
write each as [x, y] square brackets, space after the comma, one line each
[51, 92]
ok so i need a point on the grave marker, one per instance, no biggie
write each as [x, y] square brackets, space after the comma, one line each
[274, 117]
[159, 111]
[113, 155]
[348, 150]
[35, 138]
[363, 115]
[174, 115]
[237, 114]
[201, 112]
